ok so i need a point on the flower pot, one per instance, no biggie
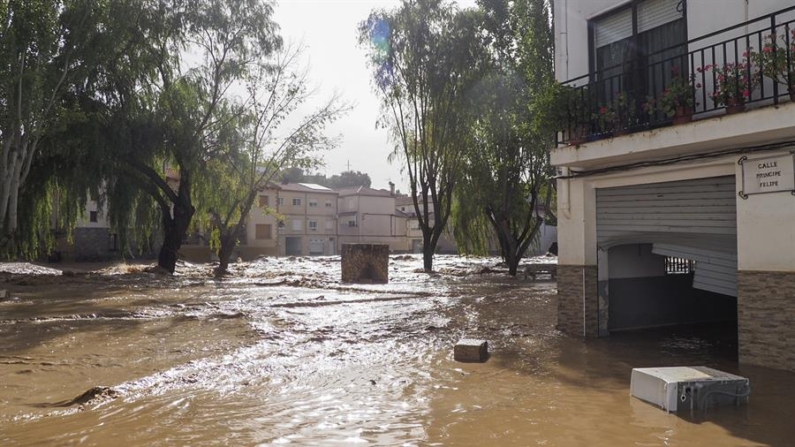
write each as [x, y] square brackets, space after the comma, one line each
[734, 105]
[683, 115]
[576, 141]
[577, 137]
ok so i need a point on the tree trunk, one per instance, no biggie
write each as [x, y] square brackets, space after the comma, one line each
[510, 248]
[175, 230]
[428, 249]
[167, 259]
[513, 263]
[228, 242]
[224, 253]
[427, 257]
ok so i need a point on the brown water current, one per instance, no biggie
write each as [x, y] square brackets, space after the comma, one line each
[282, 353]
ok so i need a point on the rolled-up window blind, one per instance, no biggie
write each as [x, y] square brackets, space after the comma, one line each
[654, 13]
[613, 28]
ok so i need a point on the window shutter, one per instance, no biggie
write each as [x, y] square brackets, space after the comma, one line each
[613, 28]
[654, 13]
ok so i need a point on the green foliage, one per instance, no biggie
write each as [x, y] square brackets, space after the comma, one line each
[257, 148]
[45, 52]
[347, 179]
[505, 190]
[168, 117]
[424, 58]
[776, 60]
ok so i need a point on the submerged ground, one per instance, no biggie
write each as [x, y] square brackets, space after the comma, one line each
[282, 353]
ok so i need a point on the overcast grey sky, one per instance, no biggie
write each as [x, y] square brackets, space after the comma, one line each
[328, 29]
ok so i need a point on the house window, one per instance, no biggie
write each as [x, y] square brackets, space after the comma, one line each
[280, 200]
[312, 225]
[351, 223]
[328, 204]
[264, 201]
[296, 202]
[313, 203]
[297, 225]
[93, 216]
[264, 231]
[638, 48]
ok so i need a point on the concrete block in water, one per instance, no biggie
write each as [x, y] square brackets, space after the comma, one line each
[365, 263]
[469, 350]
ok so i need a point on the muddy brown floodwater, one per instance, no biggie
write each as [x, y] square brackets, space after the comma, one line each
[281, 353]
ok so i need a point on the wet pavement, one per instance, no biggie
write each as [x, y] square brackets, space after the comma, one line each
[282, 353]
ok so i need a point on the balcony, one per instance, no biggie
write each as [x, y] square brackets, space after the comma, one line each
[742, 67]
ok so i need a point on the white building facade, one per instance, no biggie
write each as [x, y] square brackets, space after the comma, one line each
[645, 185]
[367, 215]
[310, 220]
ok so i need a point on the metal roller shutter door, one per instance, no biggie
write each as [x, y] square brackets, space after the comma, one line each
[693, 219]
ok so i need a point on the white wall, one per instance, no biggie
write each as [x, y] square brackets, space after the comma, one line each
[377, 205]
[102, 218]
[571, 34]
[765, 229]
[634, 261]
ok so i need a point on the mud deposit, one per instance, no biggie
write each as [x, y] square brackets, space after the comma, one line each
[282, 353]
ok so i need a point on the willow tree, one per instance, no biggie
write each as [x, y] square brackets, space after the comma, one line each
[45, 48]
[423, 60]
[169, 96]
[507, 176]
[261, 145]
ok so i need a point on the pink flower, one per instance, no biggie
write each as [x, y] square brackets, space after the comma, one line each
[698, 85]
[767, 50]
[746, 93]
[603, 110]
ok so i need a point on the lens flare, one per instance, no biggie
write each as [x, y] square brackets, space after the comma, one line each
[380, 35]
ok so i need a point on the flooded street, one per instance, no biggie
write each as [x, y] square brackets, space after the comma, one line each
[282, 353]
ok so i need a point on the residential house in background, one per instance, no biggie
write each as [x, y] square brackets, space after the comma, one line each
[310, 220]
[288, 219]
[92, 238]
[676, 194]
[368, 215]
[261, 230]
[446, 242]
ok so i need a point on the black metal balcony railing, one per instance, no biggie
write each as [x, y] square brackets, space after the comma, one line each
[749, 63]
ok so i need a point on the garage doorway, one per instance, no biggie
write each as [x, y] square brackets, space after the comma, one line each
[668, 255]
[292, 246]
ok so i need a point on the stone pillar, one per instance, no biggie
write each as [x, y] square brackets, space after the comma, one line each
[766, 318]
[578, 303]
[365, 263]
